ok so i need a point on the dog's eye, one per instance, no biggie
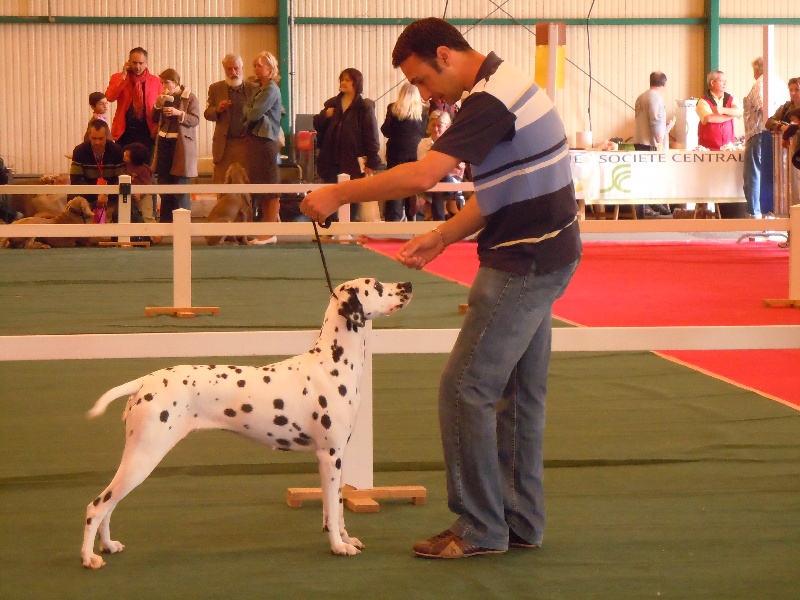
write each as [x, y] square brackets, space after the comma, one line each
[379, 288]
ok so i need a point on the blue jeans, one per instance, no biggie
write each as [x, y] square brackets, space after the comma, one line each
[170, 202]
[752, 174]
[492, 406]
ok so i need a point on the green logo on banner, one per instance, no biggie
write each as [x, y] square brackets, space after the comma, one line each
[619, 176]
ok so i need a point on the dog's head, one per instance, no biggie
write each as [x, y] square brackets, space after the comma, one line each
[363, 299]
[80, 206]
[236, 173]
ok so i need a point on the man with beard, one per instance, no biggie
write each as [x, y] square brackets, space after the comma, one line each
[135, 90]
[226, 102]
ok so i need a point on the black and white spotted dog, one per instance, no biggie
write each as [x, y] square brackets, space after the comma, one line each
[308, 403]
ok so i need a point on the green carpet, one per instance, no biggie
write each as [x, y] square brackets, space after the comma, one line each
[661, 482]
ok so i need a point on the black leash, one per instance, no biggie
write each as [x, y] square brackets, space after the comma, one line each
[321, 253]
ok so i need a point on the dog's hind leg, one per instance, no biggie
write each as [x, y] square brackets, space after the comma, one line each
[135, 467]
[330, 473]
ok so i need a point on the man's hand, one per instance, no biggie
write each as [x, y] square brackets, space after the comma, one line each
[320, 204]
[223, 106]
[419, 251]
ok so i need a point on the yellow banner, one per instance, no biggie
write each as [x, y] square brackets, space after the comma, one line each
[542, 61]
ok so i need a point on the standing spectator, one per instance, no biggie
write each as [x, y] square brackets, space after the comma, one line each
[262, 118]
[404, 127]
[779, 123]
[177, 112]
[99, 105]
[225, 107]
[492, 392]
[652, 129]
[98, 161]
[347, 133]
[717, 109]
[135, 90]
[755, 139]
[443, 204]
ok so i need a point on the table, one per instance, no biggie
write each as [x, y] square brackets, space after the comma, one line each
[672, 177]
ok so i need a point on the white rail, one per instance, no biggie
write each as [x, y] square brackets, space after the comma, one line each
[359, 468]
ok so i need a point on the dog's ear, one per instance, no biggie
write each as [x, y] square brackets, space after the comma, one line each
[352, 310]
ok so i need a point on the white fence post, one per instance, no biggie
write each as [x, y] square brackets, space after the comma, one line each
[182, 258]
[344, 211]
[357, 469]
[124, 205]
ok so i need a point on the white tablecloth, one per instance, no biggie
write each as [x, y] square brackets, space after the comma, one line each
[675, 176]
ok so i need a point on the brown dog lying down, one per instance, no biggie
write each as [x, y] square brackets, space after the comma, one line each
[231, 208]
[77, 212]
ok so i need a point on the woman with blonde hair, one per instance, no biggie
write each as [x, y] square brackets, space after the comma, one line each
[262, 118]
[403, 127]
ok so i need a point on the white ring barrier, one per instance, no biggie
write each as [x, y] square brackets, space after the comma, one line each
[358, 470]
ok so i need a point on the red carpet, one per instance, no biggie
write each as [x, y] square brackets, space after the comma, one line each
[669, 284]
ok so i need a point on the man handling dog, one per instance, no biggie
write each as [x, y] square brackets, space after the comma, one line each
[492, 392]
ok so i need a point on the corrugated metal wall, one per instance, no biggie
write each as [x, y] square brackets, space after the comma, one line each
[47, 110]
[55, 66]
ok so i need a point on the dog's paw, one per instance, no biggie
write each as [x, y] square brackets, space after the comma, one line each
[345, 549]
[93, 561]
[112, 547]
[352, 541]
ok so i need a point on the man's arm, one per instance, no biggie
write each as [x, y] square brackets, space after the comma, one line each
[212, 111]
[422, 249]
[115, 86]
[399, 182]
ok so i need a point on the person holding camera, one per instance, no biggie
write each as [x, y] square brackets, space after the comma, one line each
[135, 90]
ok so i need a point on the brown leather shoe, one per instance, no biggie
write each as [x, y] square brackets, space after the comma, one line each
[449, 545]
[516, 541]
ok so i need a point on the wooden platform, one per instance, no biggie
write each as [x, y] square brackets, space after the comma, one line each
[360, 501]
[187, 312]
[125, 244]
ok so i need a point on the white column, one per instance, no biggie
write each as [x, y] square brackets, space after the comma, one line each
[124, 205]
[182, 258]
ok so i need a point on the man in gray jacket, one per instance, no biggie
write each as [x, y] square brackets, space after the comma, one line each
[226, 102]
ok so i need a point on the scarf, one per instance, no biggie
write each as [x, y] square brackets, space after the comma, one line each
[138, 93]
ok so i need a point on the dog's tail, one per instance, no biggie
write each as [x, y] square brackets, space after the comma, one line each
[126, 389]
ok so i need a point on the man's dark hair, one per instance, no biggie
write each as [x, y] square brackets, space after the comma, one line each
[98, 124]
[794, 81]
[357, 78]
[140, 154]
[138, 49]
[658, 79]
[423, 37]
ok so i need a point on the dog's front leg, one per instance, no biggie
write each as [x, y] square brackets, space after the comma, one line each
[332, 509]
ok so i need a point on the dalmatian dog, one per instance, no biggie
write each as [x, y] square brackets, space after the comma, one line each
[306, 403]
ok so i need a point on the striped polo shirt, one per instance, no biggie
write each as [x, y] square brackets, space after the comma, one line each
[509, 131]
